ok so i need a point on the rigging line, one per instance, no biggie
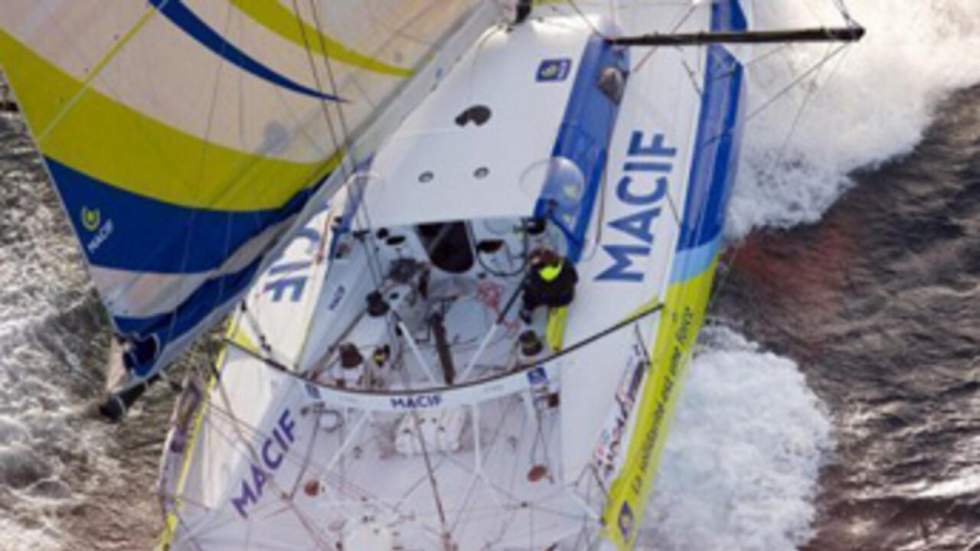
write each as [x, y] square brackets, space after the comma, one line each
[348, 165]
[446, 534]
[723, 280]
[646, 57]
[345, 132]
[694, 84]
[363, 217]
[311, 299]
[842, 8]
[761, 57]
[202, 164]
[755, 60]
[307, 458]
[272, 364]
[316, 77]
[585, 18]
[321, 471]
[796, 118]
[809, 8]
[255, 457]
[478, 472]
[228, 419]
[253, 322]
[464, 505]
[477, 477]
[228, 225]
[782, 92]
[399, 31]
[539, 436]
[187, 527]
[796, 81]
[507, 493]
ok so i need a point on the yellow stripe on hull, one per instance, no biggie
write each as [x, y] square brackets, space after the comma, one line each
[275, 17]
[234, 333]
[126, 149]
[681, 318]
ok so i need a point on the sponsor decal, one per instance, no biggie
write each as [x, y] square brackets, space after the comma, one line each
[554, 70]
[626, 521]
[271, 454]
[642, 187]
[610, 440]
[312, 391]
[337, 297]
[92, 222]
[537, 376]
[288, 277]
[91, 218]
[417, 401]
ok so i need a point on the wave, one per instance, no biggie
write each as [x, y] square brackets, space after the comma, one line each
[869, 104]
[741, 463]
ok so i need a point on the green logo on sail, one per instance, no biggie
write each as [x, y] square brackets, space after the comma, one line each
[91, 218]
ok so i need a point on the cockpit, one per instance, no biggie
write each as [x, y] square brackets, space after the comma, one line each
[426, 305]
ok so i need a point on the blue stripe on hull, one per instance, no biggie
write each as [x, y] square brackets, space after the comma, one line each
[583, 139]
[718, 139]
[690, 263]
[184, 240]
[180, 15]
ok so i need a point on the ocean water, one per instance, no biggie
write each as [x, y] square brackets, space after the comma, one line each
[831, 404]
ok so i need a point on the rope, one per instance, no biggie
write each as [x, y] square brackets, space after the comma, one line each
[202, 163]
[842, 8]
[585, 18]
[316, 77]
[724, 278]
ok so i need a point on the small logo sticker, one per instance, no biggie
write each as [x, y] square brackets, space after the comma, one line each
[554, 70]
[99, 229]
[537, 376]
[626, 521]
[91, 218]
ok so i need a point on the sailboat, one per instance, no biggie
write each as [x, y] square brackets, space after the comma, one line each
[372, 222]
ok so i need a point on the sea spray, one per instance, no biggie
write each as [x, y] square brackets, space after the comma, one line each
[867, 105]
[740, 466]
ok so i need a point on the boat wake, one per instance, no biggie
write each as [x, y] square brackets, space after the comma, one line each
[864, 106]
[740, 466]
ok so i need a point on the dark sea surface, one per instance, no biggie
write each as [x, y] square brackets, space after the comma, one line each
[879, 303]
[876, 301]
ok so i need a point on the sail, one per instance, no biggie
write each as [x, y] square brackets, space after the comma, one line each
[185, 136]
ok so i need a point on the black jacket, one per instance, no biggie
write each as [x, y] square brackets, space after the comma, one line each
[558, 292]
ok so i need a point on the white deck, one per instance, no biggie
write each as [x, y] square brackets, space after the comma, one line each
[517, 138]
[487, 498]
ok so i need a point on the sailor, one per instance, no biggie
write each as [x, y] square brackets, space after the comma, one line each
[351, 372]
[551, 282]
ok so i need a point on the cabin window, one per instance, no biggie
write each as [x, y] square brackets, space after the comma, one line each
[448, 246]
[612, 81]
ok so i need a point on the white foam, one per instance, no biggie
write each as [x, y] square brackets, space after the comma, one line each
[16, 537]
[867, 107]
[741, 462]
